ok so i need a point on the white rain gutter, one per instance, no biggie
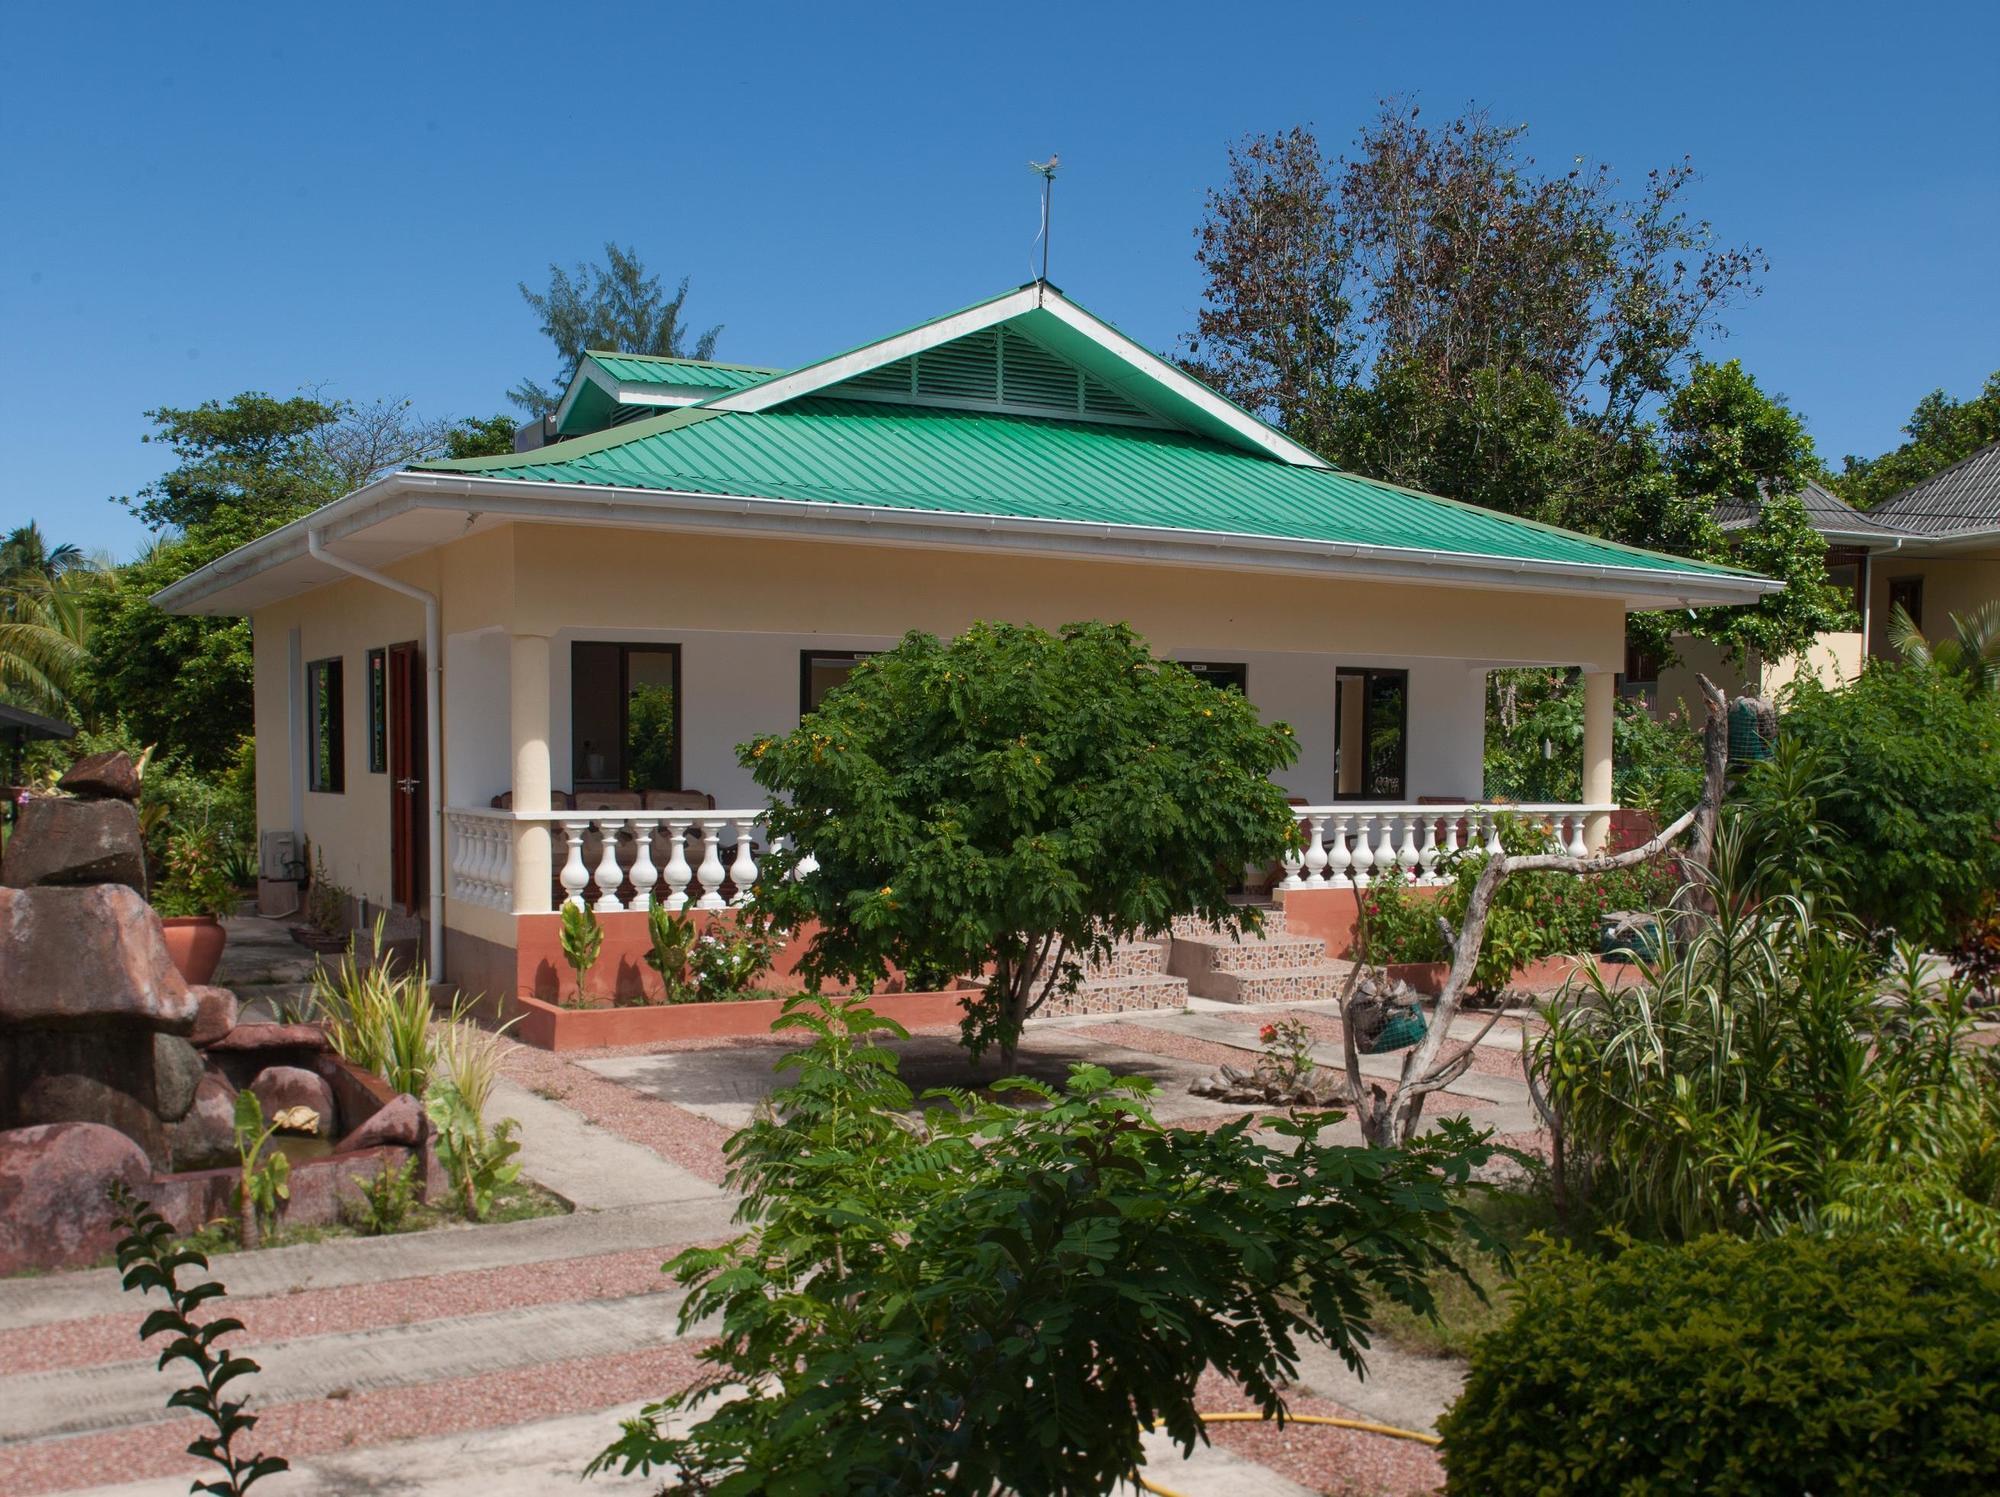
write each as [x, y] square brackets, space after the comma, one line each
[433, 732]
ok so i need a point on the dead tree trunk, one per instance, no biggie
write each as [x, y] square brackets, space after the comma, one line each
[1389, 1119]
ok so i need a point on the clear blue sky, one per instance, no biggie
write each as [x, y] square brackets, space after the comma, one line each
[200, 200]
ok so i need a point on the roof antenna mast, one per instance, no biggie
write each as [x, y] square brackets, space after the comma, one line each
[1046, 170]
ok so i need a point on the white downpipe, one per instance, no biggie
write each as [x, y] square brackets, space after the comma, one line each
[433, 730]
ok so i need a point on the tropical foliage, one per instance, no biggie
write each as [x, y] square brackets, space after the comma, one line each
[1795, 1365]
[1768, 1074]
[1911, 788]
[1969, 657]
[1941, 430]
[615, 307]
[983, 1295]
[1013, 802]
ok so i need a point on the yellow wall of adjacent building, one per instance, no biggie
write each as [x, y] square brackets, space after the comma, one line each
[1952, 584]
[761, 600]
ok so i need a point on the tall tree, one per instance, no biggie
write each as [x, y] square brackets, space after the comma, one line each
[1439, 311]
[1940, 431]
[614, 306]
[1727, 441]
[26, 553]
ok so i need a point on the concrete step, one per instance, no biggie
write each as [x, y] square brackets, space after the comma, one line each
[1312, 982]
[1119, 995]
[1130, 959]
[1193, 957]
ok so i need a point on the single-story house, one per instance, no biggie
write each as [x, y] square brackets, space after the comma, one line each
[487, 685]
[1933, 549]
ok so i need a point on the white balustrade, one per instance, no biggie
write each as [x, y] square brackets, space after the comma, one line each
[479, 867]
[1360, 843]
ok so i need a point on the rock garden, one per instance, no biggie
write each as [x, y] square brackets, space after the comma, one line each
[114, 1069]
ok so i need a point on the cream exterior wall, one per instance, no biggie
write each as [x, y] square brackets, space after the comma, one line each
[742, 609]
[1952, 584]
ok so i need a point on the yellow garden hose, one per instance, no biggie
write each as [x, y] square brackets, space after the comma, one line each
[1252, 1416]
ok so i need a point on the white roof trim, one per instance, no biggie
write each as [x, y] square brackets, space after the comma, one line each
[527, 499]
[1146, 368]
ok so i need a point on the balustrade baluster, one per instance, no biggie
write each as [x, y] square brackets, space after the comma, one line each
[743, 870]
[1385, 848]
[575, 877]
[1293, 860]
[711, 871]
[609, 874]
[677, 872]
[1492, 824]
[1338, 859]
[1427, 855]
[644, 874]
[1364, 854]
[1406, 850]
[1317, 856]
[1577, 846]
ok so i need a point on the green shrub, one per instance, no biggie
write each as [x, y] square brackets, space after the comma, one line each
[1912, 767]
[1790, 1365]
[1768, 1070]
[982, 1294]
[1536, 915]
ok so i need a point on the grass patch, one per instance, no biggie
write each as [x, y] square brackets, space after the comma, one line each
[1463, 1316]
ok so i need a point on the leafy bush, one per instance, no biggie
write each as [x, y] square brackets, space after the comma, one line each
[728, 959]
[1913, 771]
[1766, 1072]
[986, 1295]
[480, 1163]
[263, 1179]
[1014, 802]
[672, 936]
[386, 1200]
[196, 882]
[375, 1017]
[1536, 915]
[1782, 1366]
[582, 940]
[1534, 746]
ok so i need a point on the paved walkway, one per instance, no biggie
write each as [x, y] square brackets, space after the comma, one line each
[496, 1360]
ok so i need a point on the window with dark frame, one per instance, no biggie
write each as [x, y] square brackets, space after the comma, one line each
[326, 745]
[1908, 592]
[820, 671]
[1371, 723]
[625, 716]
[1227, 676]
[378, 711]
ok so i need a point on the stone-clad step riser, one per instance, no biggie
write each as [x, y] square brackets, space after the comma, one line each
[1314, 984]
[1130, 959]
[1195, 925]
[1119, 995]
[1193, 957]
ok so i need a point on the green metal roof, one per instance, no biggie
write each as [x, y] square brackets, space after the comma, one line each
[979, 463]
[699, 374]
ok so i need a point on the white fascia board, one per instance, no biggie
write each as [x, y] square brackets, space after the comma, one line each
[586, 369]
[1147, 368]
[529, 500]
[1155, 370]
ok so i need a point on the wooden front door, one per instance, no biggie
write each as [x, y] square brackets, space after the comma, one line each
[409, 796]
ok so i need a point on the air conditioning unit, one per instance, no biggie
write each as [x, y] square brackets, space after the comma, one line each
[278, 859]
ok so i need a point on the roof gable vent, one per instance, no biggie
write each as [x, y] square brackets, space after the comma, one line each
[996, 369]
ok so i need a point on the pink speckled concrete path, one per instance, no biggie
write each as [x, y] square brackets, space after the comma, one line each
[453, 1345]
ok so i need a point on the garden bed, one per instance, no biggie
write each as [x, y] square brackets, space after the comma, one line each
[550, 1027]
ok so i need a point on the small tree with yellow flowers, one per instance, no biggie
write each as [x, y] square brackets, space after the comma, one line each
[1011, 804]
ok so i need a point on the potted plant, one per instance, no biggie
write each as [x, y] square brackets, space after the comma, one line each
[191, 901]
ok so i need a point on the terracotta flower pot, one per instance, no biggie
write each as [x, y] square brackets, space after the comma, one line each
[194, 942]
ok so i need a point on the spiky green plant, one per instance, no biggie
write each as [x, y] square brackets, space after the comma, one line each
[376, 1017]
[582, 940]
[1969, 656]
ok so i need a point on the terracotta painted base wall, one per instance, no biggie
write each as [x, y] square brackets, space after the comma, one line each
[553, 1028]
[621, 970]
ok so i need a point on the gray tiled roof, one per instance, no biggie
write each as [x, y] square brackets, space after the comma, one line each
[1965, 496]
[1830, 515]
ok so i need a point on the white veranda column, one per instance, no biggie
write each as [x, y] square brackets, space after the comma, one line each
[528, 737]
[1597, 723]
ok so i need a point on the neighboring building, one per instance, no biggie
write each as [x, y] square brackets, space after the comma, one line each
[704, 550]
[1934, 548]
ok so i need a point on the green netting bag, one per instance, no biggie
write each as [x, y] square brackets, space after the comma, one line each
[1403, 1030]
